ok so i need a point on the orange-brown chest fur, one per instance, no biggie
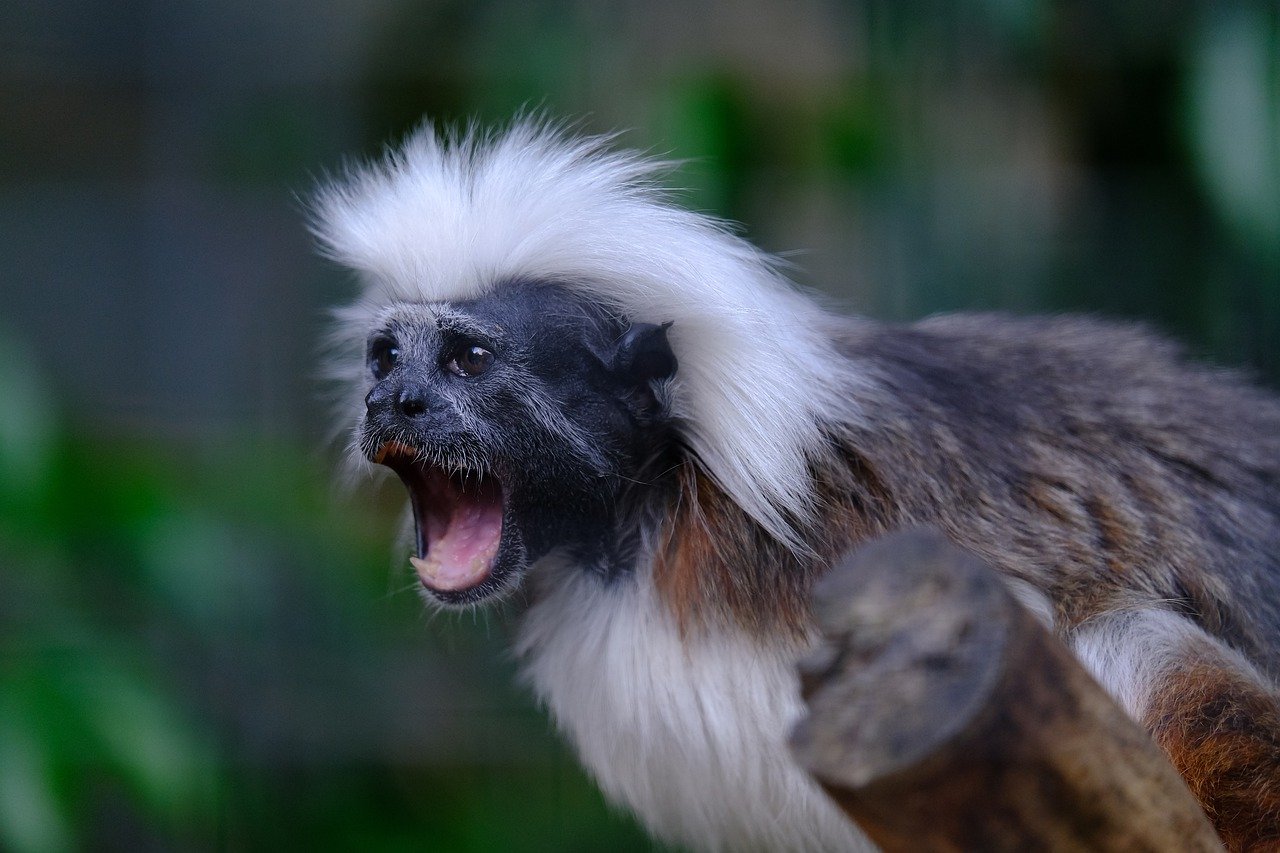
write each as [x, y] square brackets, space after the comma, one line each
[714, 562]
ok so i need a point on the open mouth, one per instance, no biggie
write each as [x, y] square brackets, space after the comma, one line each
[457, 518]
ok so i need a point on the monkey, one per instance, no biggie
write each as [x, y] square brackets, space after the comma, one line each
[625, 418]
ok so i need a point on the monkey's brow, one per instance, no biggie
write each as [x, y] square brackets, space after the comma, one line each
[461, 324]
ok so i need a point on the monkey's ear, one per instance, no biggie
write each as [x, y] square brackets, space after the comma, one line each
[644, 354]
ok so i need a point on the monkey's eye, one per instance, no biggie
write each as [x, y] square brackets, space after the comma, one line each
[471, 361]
[383, 355]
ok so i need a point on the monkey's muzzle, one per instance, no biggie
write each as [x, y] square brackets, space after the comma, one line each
[457, 518]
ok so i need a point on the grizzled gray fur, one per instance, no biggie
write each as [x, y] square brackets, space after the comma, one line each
[1087, 458]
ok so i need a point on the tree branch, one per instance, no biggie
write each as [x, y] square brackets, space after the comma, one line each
[943, 716]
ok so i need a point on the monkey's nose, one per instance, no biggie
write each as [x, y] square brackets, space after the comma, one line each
[411, 402]
[407, 401]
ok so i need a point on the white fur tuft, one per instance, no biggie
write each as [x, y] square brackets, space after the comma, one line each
[688, 730]
[1133, 652]
[451, 217]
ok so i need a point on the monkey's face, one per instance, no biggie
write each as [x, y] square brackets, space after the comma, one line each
[516, 421]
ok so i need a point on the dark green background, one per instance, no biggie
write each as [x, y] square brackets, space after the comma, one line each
[205, 645]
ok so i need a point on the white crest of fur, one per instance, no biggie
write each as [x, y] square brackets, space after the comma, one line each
[688, 731]
[449, 218]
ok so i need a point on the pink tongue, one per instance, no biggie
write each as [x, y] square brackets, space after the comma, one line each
[463, 556]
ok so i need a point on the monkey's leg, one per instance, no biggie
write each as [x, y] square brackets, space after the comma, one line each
[1208, 708]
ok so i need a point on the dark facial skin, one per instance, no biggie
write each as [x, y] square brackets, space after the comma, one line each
[560, 401]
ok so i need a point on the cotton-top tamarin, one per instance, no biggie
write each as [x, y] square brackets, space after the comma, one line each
[622, 415]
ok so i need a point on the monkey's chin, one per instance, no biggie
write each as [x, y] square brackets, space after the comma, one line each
[458, 519]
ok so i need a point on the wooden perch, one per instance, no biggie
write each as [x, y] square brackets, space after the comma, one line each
[943, 716]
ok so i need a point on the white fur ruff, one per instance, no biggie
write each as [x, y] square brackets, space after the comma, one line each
[450, 218]
[689, 732]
